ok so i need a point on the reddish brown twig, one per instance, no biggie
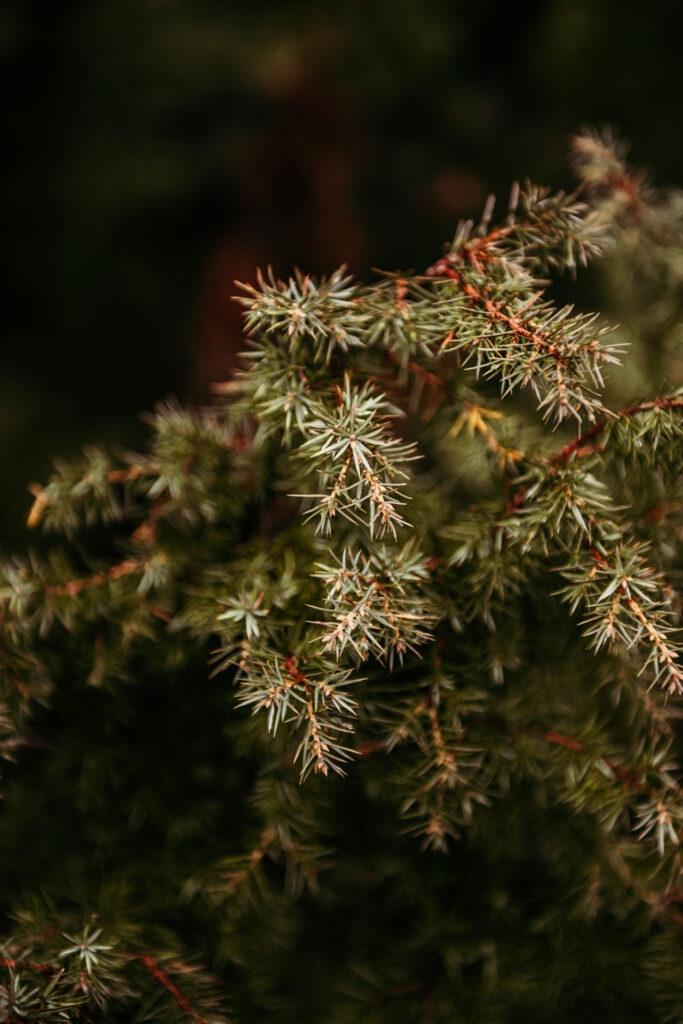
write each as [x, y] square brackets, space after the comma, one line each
[122, 476]
[474, 251]
[564, 741]
[152, 965]
[625, 775]
[496, 314]
[515, 501]
[114, 476]
[116, 572]
[27, 965]
[425, 375]
[581, 446]
[295, 677]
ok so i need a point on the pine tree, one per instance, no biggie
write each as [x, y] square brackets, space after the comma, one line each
[356, 696]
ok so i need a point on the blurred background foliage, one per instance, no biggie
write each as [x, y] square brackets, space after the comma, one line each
[155, 150]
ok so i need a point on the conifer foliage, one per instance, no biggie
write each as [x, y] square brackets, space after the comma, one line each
[357, 695]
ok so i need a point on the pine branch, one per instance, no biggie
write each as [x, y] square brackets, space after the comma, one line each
[582, 447]
[360, 464]
[87, 979]
[313, 700]
[152, 965]
[374, 606]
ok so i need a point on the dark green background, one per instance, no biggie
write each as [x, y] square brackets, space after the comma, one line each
[154, 151]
